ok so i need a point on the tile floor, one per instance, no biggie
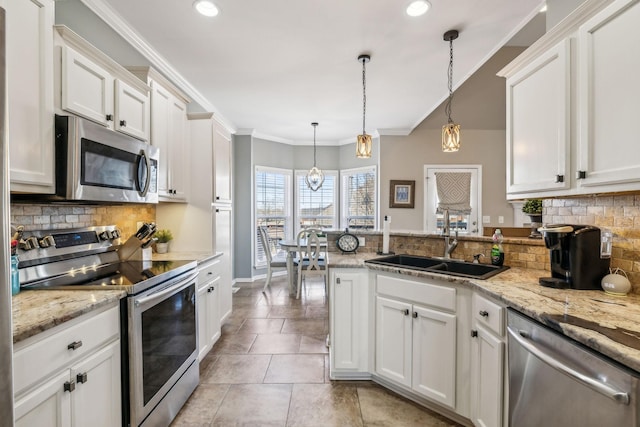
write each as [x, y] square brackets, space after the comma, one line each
[271, 368]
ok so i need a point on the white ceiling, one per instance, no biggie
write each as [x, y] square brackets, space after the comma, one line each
[273, 67]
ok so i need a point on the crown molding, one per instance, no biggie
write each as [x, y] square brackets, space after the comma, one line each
[565, 28]
[122, 28]
[395, 132]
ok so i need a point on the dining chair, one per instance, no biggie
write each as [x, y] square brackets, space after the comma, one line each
[277, 262]
[311, 256]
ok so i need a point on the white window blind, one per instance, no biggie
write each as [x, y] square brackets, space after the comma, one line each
[317, 209]
[359, 190]
[272, 208]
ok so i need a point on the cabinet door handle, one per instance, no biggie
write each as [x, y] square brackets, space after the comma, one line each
[81, 378]
[209, 273]
[109, 117]
[406, 311]
[337, 280]
[484, 313]
[69, 386]
[559, 178]
[74, 345]
[474, 333]
[211, 289]
[415, 314]
[123, 123]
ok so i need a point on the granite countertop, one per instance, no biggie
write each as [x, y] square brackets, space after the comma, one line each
[606, 323]
[186, 256]
[35, 311]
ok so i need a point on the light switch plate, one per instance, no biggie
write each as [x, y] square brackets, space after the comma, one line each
[486, 219]
[361, 240]
[500, 219]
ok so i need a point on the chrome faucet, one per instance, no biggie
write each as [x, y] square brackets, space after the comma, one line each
[446, 232]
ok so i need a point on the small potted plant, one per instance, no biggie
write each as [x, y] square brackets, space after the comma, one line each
[533, 208]
[164, 236]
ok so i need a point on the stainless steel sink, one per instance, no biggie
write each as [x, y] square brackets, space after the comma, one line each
[440, 265]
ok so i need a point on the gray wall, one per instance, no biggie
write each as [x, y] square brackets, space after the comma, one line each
[242, 205]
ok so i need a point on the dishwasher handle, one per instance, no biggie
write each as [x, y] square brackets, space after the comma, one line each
[523, 338]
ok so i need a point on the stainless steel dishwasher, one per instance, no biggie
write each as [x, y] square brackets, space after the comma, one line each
[553, 381]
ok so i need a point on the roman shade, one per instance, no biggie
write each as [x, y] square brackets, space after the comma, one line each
[454, 192]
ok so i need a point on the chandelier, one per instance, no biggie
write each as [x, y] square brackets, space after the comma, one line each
[315, 177]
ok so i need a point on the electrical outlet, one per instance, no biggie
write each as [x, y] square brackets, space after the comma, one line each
[361, 240]
[486, 219]
[500, 219]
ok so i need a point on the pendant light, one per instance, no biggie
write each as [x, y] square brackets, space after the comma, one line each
[450, 131]
[315, 177]
[363, 145]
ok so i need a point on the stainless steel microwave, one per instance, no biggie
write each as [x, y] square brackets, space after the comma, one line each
[94, 163]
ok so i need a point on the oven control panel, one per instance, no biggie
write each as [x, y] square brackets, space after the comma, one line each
[40, 246]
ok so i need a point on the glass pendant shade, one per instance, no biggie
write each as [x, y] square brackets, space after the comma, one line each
[450, 137]
[363, 146]
[315, 177]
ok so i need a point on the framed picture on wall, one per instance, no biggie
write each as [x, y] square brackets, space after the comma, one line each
[402, 194]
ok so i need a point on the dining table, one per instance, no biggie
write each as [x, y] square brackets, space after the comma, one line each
[291, 247]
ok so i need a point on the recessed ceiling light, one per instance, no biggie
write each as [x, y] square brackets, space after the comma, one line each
[205, 7]
[418, 7]
[543, 8]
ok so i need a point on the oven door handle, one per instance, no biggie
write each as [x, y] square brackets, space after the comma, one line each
[524, 339]
[160, 294]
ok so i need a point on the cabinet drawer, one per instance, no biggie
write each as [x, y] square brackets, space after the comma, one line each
[488, 313]
[40, 358]
[209, 271]
[424, 293]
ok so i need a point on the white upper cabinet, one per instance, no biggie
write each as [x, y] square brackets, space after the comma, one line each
[92, 85]
[222, 164]
[609, 98]
[30, 95]
[169, 132]
[538, 108]
[572, 97]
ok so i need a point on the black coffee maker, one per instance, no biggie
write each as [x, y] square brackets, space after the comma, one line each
[574, 251]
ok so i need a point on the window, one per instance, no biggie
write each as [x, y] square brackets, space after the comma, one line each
[272, 207]
[317, 209]
[463, 224]
[359, 189]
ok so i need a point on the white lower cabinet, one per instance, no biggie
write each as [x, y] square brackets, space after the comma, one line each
[71, 376]
[416, 347]
[487, 363]
[416, 337]
[349, 326]
[208, 306]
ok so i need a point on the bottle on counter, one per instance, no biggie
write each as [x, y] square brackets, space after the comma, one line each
[497, 251]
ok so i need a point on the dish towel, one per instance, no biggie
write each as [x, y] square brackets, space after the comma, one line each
[454, 192]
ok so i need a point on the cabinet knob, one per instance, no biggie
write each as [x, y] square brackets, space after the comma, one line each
[559, 178]
[69, 386]
[109, 117]
[123, 123]
[406, 311]
[581, 174]
[74, 345]
[211, 289]
[415, 314]
[217, 197]
[484, 313]
[337, 280]
[474, 333]
[81, 378]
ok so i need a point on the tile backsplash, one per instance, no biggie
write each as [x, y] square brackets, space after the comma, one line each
[63, 216]
[619, 214]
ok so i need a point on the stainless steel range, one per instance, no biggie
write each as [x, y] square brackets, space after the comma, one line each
[159, 335]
